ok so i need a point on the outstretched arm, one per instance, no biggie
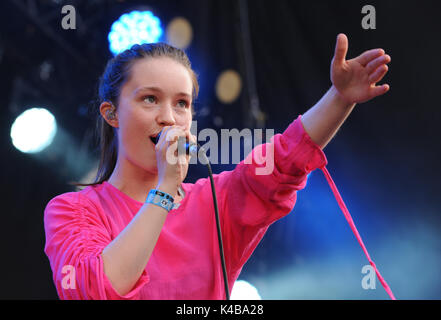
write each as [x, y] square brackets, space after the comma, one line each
[353, 81]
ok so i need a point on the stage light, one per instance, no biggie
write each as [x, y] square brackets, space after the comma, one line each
[33, 130]
[46, 69]
[243, 290]
[179, 33]
[136, 27]
[228, 86]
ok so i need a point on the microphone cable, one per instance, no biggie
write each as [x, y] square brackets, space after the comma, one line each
[190, 148]
[218, 226]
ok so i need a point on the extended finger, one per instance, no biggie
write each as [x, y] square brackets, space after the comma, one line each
[368, 56]
[378, 74]
[379, 90]
[374, 64]
[341, 48]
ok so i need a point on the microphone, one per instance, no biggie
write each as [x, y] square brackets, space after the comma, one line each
[191, 148]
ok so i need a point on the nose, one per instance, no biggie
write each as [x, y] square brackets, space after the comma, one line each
[165, 116]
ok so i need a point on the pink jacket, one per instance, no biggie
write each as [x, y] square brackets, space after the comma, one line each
[185, 263]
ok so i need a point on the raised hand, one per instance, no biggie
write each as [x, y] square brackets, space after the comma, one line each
[356, 79]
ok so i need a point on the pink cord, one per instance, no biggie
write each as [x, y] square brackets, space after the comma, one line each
[354, 229]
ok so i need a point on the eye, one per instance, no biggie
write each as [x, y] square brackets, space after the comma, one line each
[150, 99]
[183, 103]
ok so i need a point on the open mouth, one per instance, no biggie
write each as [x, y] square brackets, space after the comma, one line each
[154, 138]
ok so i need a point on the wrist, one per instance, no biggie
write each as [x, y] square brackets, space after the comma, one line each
[340, 98]
[161, 199]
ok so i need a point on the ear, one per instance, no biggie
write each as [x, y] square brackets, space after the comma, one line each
[109, 114]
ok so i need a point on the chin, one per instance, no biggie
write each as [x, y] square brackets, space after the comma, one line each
[151, 168]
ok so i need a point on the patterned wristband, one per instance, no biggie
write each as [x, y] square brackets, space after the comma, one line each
[160, 198]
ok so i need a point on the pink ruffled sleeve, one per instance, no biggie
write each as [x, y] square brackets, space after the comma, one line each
[75, 238]
[250, 202]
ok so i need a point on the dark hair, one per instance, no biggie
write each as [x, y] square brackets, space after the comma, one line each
[116, 73]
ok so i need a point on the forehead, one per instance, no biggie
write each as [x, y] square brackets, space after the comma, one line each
[164, 73]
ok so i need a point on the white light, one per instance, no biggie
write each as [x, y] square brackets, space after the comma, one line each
[33, 130]
[243, 290]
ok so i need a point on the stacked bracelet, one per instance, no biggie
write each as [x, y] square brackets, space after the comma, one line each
[162, 199]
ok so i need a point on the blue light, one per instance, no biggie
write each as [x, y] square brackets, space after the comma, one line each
[136, 27]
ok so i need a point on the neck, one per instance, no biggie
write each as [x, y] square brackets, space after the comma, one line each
[133, 180]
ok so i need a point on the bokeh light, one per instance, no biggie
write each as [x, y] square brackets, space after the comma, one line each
[33, 130]
[136, 27]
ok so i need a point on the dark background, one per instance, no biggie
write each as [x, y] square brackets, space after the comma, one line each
[385, 158]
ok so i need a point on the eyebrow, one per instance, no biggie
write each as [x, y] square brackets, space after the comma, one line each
[159, 90]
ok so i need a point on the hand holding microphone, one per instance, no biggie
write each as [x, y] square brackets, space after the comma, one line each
[174, 147]
[190, 147]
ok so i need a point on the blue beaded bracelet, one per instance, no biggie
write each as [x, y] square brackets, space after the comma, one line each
[162, 199]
